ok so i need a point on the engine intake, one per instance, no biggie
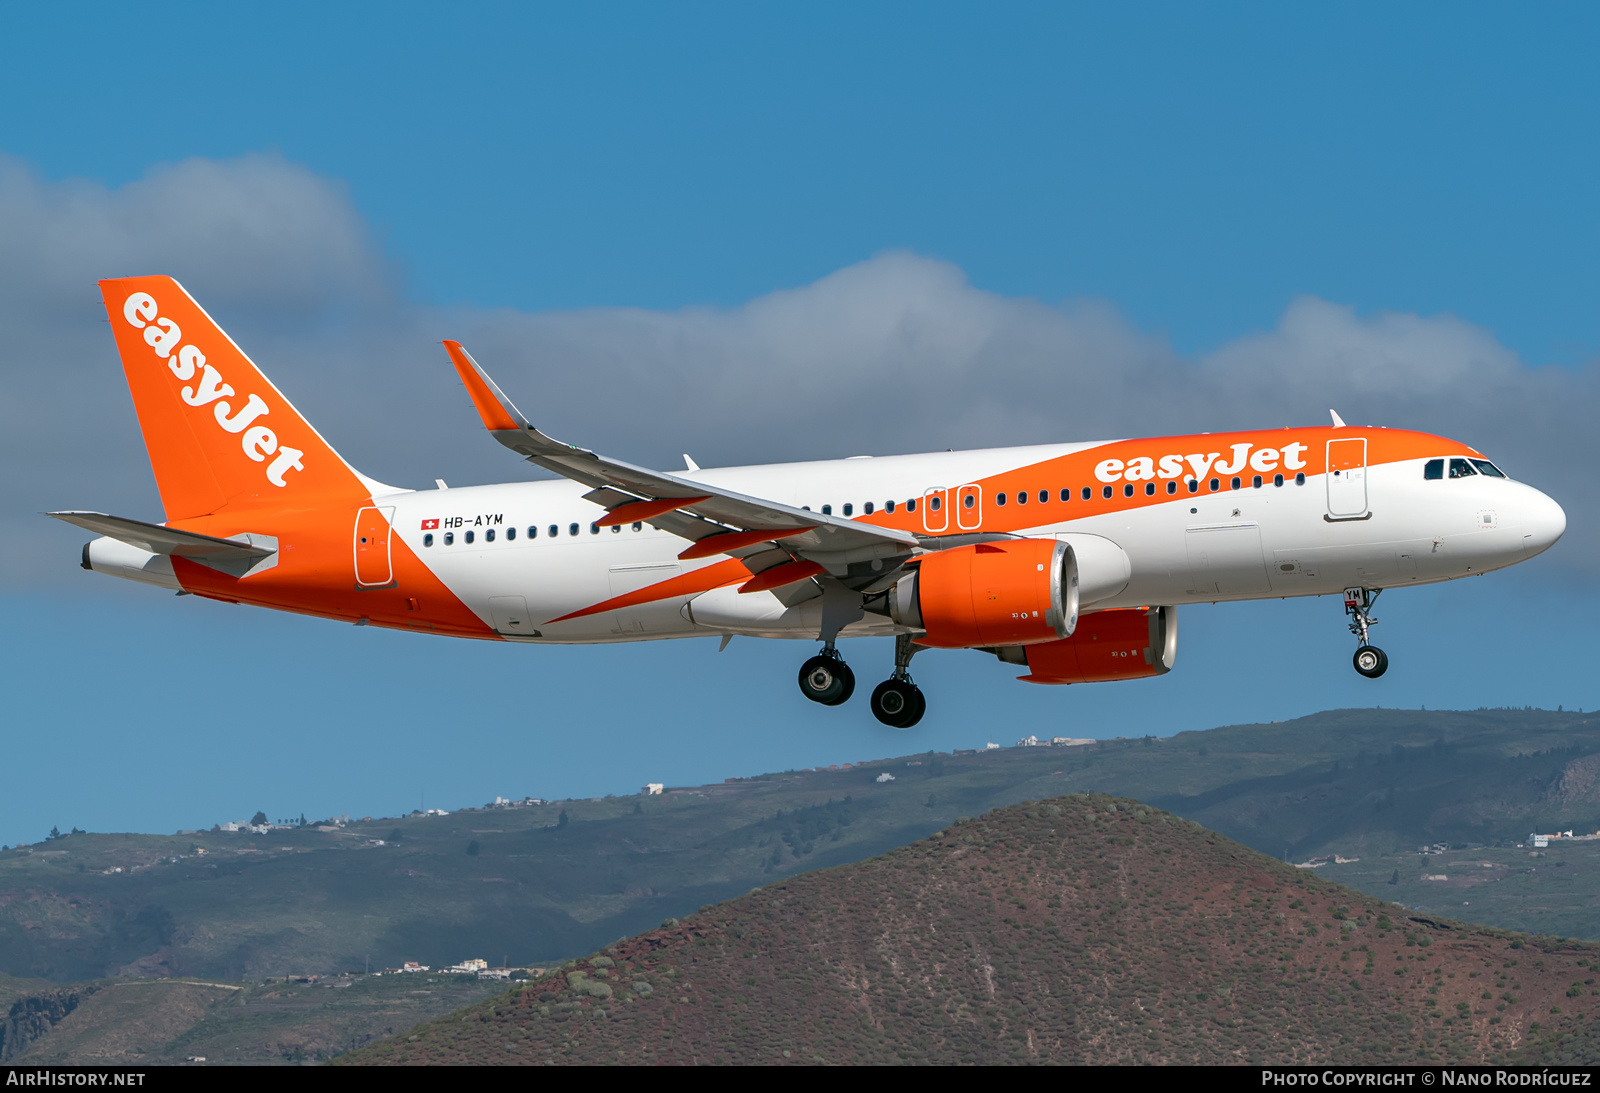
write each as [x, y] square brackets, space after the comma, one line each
[1013, 592]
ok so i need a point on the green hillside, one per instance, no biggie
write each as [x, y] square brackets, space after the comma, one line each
[119, 1022]
[1083, 929]
[518, 885]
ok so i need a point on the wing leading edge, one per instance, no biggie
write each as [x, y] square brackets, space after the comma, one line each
[763, 534]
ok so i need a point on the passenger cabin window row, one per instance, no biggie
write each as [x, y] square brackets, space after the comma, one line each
[1042, 497]
[553, 532]
[1434, 469]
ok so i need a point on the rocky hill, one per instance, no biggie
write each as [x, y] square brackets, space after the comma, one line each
[525, 886]
[1081, 929]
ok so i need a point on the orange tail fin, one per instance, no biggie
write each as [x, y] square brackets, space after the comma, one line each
[220, 435]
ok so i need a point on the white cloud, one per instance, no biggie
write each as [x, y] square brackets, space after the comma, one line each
[898, 353]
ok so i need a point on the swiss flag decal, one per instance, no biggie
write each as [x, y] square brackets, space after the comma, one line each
[430, 525]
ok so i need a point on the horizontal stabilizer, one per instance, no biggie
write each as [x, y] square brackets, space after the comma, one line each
[238, 556]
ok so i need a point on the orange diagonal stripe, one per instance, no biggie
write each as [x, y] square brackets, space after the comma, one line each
[685, 584]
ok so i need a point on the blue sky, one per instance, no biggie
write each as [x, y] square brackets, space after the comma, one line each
[1212, 195]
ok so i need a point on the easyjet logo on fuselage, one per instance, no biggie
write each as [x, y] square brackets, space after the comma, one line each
[1199, 464]
[258, 441]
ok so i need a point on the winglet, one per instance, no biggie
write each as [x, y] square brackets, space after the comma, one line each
[497, 411]
[1338, 422]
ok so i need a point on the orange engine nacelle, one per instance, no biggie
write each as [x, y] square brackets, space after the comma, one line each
[1130, 643]
[1013, 592]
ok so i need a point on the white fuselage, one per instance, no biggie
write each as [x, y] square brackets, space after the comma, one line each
[1247, 543]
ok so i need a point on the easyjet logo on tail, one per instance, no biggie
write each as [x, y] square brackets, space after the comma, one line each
[258, 441]
[1144, 467]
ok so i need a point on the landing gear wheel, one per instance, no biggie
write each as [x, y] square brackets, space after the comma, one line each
[898, 703]
[1371, 661]
[827, 680]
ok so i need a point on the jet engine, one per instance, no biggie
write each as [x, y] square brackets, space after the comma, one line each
[1013, 592]
[1125, 643]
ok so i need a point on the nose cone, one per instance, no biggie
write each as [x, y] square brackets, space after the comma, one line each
[1543, 522]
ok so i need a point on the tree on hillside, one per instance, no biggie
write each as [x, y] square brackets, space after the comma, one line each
[561, 820]
[259, 818]
[55, 833]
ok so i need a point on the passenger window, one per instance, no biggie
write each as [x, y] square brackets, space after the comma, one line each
[1300, 479]
[1433, 470]
[827, 510]
[594, 528]
[469, 536]
[1255, 483]
[1487, 468]
[1022, 497]
[1277, 480]
[1044, 496]
[533, 531]
[511, 533]
[911, 504]
[427, 540]
[449, 538]
[1194, 485]
[849, 509]
[1235, 483]
[572, 529]
[970, 499]
[1066, 494]
[888, 506]
[1460, 468]
[1088, 492]
[488, 536]
[866, 510]
[638, 525]
[1106, 493]
[1127, 491]
[554, 531]
[935, 503]
[1216, 484]
[616, 529]
[1172, 487]
[1149, 489]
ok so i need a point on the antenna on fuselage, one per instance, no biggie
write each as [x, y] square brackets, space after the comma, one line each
[1338, 422]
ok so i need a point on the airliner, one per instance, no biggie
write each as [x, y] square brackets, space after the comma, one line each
[1066, 560]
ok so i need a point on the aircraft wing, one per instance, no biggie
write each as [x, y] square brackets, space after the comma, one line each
[716, 521]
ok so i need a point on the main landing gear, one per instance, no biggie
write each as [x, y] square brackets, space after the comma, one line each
[826, 678]
[1369, 660]
[897, 702]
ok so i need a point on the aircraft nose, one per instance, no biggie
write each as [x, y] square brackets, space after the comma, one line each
[1543, 523]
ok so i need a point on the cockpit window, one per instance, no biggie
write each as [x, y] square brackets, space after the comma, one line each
[1433, 470]
[1460, 468]
[1485, 467]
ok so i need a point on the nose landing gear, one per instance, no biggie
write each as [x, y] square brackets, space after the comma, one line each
[826, 678]
[1369, 660]
[898, 702]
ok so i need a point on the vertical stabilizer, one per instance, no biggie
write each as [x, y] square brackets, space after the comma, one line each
[219, 434]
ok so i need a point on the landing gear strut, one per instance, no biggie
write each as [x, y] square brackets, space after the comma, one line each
[1369, 660]
[898, 702]
[826, 678]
